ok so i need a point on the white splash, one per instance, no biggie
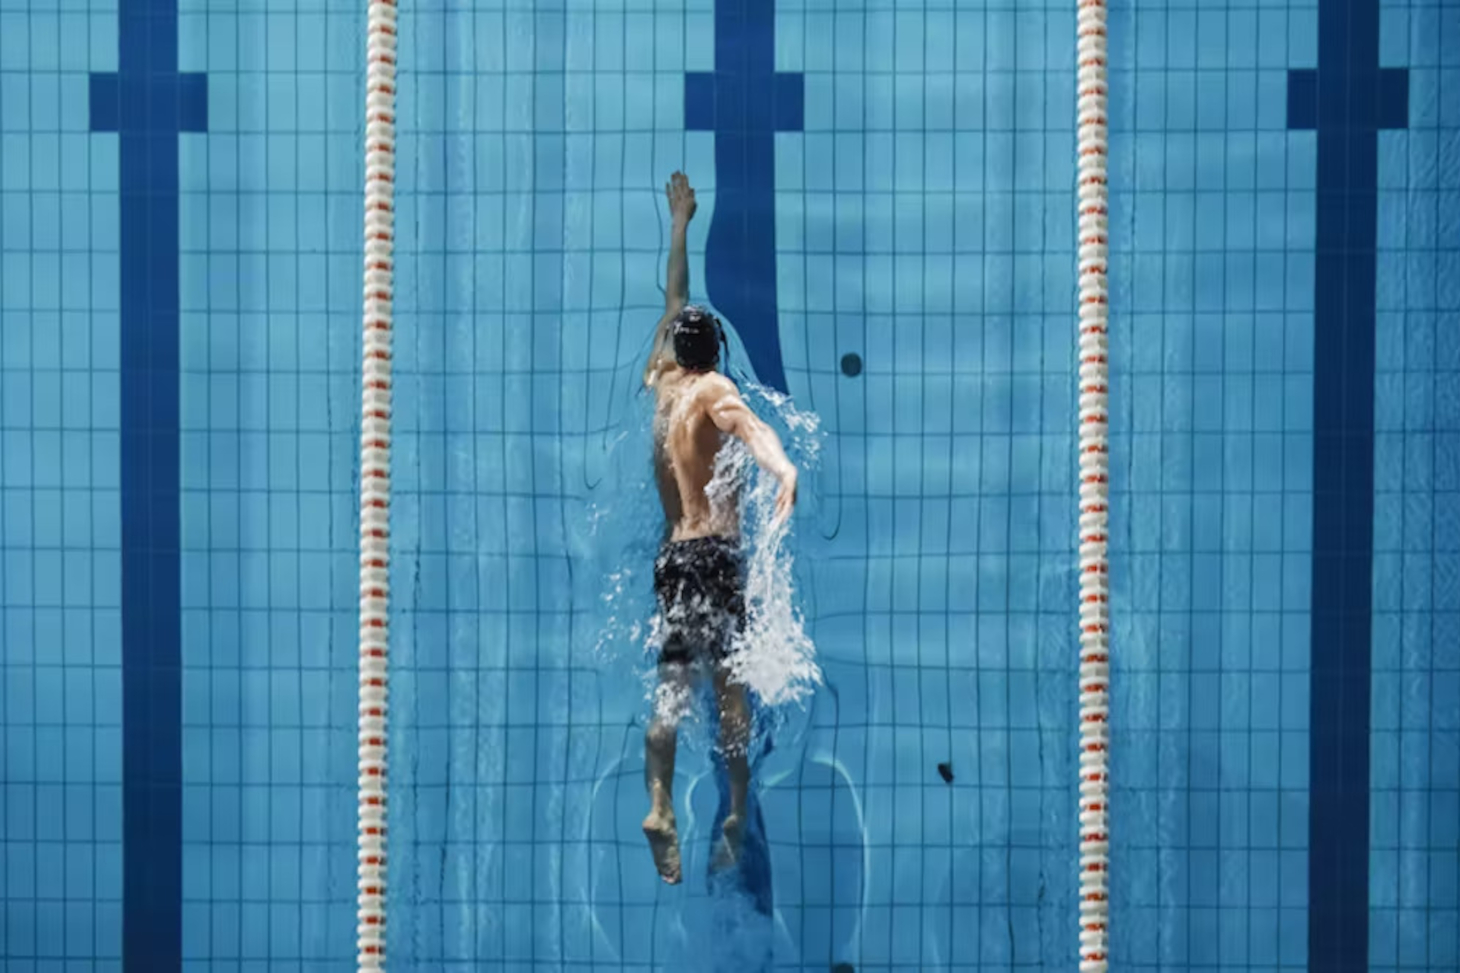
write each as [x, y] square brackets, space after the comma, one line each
[805, 426]
[773, 655]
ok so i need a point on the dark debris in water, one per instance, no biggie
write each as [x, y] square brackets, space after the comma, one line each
[945, 770]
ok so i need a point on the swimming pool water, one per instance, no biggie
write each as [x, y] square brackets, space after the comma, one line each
[886, 219]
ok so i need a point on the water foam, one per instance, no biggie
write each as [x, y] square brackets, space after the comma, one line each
[773, 656]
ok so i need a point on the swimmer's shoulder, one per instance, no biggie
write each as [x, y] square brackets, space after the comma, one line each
[713, 387]
[715, 397]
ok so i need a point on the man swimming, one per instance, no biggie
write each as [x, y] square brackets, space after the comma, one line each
[698, 574]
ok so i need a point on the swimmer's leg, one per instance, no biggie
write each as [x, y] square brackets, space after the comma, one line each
[735, 747]
[659, 747]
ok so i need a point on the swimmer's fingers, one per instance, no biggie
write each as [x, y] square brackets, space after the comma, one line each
[785, 502]
[680, 194]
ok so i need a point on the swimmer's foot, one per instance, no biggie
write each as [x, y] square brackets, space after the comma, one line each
[727, 851]
[664, 844]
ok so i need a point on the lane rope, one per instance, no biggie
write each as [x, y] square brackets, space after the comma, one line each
[375, 406]
[1094, 419]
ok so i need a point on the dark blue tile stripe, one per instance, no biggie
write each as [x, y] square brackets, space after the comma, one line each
[745, 102]
[1347, 99]
[147, 102]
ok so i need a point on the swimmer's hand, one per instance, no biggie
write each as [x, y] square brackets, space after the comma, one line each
[681, 195]
[786, 498]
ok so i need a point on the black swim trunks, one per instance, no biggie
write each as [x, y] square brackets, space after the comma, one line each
[701, 597]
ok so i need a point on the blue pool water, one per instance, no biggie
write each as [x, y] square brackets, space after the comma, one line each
[886, 221]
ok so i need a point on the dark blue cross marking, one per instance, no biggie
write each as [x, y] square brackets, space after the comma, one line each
[147, 102]
[745, 102]
[1348, 99]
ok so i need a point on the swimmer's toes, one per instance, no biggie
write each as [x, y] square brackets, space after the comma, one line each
[664, 846]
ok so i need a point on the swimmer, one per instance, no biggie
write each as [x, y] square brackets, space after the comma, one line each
[698, 573]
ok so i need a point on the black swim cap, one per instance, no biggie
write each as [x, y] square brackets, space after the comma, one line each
[697, 338]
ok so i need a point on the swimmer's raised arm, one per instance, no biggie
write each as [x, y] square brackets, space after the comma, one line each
[676, 279]
[721, 400]
[682, 207]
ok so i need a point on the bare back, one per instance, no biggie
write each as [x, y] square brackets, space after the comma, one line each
[686, 443]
